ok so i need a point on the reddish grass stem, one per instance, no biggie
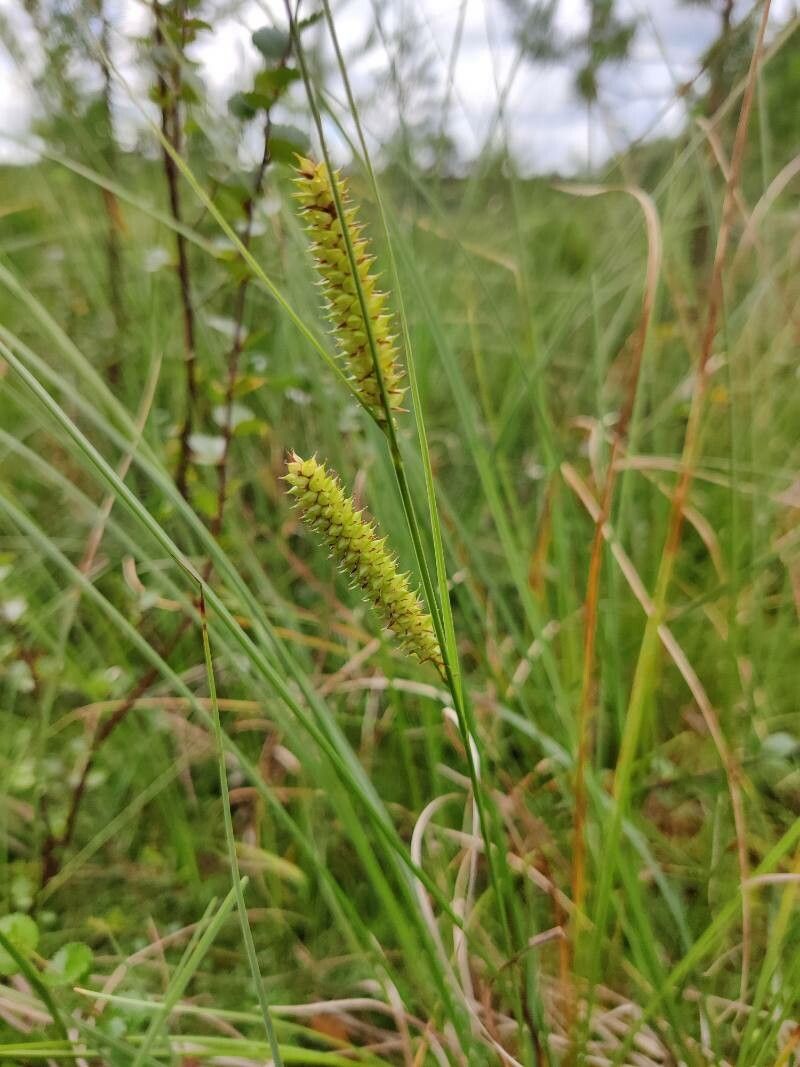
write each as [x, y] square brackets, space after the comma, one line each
[172, 129]
[585, 712]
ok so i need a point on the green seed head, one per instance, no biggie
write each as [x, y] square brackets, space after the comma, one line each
[329, 248]
[362, 555]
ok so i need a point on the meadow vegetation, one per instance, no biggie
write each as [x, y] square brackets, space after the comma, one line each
[565, 829]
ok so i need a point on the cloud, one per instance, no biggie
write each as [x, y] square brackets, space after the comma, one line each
[404, 67]
[17, 73]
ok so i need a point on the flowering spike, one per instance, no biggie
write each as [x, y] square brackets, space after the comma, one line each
[329, 248]
[361, 555]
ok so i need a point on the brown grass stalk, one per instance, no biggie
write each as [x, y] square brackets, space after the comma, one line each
[585, 709]
[648, 653]
[733, 771]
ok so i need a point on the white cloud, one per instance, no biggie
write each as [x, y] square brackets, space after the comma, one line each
[17, 103]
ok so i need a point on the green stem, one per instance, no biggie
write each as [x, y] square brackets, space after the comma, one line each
[387, 426]
[439, 608]
[247, 933]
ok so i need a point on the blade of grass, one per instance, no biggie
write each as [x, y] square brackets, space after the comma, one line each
[230, 840]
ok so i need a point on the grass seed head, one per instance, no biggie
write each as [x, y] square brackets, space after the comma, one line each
[362, 556]
[329, 248]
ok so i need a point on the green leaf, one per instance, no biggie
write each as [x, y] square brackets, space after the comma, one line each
[271, 43]
[258, 101]
[586, 83]
[159, 96]
[272, 84]
[23, 933]
[251, 428]
[196, 25]
[282, 151]
[285, 142]
[267, 81]
[241, 108]
[205, 500]
[70, 964]
[310, 20]
[192, 87]
[189, 93]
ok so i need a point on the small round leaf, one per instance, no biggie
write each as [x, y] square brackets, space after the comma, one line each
[70, 964]
[271, 43]
[23, 933]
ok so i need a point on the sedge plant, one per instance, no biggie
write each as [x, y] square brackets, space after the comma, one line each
[362, 329]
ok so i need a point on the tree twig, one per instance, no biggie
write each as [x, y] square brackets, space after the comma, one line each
[171, 127]
[116, 287]
[240, 302]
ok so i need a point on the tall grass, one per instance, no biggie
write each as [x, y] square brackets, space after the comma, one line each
[580, 842]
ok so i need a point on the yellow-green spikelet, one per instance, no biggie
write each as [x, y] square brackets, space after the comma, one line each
[344, 308]
[362, 555]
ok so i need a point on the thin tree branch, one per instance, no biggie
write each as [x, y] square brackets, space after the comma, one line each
[235, 351]
[171, 127]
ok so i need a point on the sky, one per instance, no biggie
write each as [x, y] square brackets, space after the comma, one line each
[543, 121]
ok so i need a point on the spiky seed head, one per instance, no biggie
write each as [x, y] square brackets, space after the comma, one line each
[318, 208]
[362, 555]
